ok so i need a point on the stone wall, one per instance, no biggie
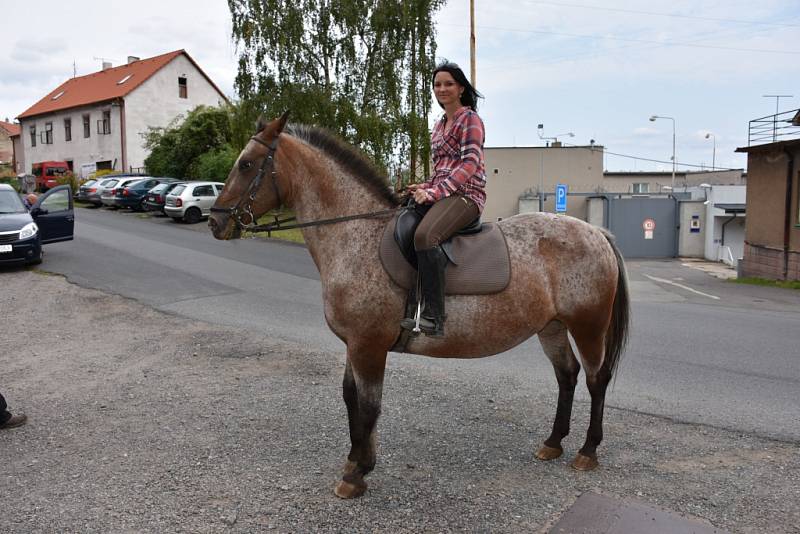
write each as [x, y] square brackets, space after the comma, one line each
[763, 262]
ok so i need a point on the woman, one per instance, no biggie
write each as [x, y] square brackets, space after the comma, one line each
[454, 196]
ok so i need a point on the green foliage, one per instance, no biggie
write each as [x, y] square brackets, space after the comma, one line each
[786, 284]
[70, 180]
[12, 181]
[360, 68]
[214, 165]
[175, 149]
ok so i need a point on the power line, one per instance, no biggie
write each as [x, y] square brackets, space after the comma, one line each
[631, 40]
[648, 159]
[653, 13]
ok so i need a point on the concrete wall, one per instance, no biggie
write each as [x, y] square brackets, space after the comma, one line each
[19, 155]
[6, 147]
[511, 172]
[692, 244]
[622, 182]
[156, 103]
[80, 150]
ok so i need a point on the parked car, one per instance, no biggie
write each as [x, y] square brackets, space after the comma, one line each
[133, 195]
[157, 196]
[106, 182]
[109, 195]
[83, 190]
[23, 232]
[192, 201]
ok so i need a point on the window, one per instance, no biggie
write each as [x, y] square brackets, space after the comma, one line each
[203, 191]
[104, 125]
[87, 126]
[58, 201]
[33, 135]
[641, 188]
[67, 129]
[47, 134]
[182, 89]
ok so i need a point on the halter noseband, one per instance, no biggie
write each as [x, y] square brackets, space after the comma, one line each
[245, 206]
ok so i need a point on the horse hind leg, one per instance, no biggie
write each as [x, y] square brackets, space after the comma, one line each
[362, 389]
[556, 346]
[598, 374]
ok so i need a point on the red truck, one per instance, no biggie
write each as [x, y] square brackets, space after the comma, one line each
[47, 173]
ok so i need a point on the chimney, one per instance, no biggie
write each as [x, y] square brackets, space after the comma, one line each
[131, 59]
[106, 65]
[556, 144]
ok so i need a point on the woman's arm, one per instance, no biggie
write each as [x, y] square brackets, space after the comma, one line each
[471, 143]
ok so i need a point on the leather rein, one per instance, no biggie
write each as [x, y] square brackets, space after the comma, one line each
[245, 205]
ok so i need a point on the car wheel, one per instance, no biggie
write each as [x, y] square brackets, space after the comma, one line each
[192, 215]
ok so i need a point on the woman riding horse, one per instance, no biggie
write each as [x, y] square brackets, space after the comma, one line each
[454, 196]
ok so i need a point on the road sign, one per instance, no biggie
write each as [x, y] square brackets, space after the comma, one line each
[561, 198]
[648, 225]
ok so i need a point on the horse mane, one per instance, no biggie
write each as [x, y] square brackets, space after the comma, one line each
[348, 156]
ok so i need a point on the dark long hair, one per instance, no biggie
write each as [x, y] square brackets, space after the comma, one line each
[470, 95]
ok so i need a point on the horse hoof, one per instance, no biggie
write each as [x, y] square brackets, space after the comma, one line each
[348, 490]
[584, 463]
[548, 453]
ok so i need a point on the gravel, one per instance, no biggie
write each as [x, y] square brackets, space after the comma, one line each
[141, 421]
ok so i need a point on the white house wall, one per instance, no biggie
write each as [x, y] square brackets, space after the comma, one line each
[80, 150]
[734, 231]
[156, 103]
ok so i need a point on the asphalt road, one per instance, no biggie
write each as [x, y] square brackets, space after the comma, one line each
[731, 362]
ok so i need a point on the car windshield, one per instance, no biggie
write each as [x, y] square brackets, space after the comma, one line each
[159, 188]
[11, 203]
[178, 190]
[109, 183]
[88, 183]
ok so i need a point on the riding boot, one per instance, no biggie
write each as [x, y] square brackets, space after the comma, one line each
[431, 263]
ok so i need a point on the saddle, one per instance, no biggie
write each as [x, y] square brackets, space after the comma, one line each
[478, 256]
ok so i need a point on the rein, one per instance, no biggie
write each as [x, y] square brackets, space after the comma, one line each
[268, 165]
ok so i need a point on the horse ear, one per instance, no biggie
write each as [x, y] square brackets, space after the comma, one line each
[282, 121]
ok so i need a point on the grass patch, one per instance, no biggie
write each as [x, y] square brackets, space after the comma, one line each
[786, 284]
[295, 235]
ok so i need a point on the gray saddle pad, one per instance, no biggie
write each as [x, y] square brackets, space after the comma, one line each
[483, 266]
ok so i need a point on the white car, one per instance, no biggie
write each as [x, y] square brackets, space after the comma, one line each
[192, 201]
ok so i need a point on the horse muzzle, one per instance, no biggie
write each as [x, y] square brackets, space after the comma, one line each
[223, 226]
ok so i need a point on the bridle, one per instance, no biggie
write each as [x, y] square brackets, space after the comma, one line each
[245, 205]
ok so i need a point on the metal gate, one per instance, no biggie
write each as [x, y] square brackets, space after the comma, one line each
[644, 227]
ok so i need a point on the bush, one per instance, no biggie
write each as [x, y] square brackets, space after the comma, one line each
[214, 165]
[70, 180]
[12, 181]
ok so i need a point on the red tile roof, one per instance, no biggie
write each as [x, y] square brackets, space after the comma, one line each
[11, 129]
[105, 85]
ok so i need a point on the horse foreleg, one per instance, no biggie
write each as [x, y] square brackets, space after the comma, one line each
[362, 390]
[556, 346]
[598, 376]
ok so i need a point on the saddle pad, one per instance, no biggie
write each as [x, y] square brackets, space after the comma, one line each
[483, 263]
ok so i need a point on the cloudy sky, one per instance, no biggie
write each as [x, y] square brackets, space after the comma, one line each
[595, 68]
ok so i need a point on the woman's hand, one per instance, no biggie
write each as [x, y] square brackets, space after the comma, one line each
[421, 196]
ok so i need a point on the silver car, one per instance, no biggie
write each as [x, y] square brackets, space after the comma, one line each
[109, 194]
[192, 201]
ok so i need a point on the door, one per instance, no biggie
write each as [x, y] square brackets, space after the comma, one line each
[54, 214]
[204, 196]
[644, 227]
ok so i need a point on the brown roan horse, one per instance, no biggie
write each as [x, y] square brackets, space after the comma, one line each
[566, 276]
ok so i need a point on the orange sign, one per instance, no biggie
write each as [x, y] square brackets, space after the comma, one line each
[649, 225]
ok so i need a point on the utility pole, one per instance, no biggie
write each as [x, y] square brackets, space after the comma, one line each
[472, 42]
[775, 117]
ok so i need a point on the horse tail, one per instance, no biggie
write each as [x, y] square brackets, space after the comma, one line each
[617, 333]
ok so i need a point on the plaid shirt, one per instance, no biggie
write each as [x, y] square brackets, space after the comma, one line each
[458, 158]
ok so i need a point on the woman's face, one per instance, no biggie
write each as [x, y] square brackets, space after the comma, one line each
[447, 89]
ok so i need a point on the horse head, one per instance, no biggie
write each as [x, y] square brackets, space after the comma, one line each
[252, 188]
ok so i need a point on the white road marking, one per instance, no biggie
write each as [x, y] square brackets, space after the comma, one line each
[687, 288]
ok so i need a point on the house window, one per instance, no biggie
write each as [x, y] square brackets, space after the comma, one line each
[33, 135]
[182, 89]
[67, 129]
[641, 188]
[47, 134]
[104, 125]
[87, 126]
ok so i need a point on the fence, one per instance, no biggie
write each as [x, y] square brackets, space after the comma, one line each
[782, 126]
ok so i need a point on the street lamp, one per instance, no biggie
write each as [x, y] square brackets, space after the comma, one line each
[714, 153]
[653, 119]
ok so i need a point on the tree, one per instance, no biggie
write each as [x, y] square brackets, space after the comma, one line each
[358, 67]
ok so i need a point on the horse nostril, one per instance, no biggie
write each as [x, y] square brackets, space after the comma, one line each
[212, 223]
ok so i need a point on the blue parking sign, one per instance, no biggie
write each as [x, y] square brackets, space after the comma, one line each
[561, 198]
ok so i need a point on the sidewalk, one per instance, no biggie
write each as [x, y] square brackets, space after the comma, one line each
[716, 269]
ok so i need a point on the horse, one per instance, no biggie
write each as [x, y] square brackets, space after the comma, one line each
[567, 276]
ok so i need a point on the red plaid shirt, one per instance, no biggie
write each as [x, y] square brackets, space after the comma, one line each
[458, 158]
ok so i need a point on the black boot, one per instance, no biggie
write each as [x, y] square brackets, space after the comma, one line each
[431, 264]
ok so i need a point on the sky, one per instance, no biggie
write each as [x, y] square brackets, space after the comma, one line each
[596, 69]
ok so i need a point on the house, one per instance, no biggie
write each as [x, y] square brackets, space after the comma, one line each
[772, 234]
[98, 121]
[7, 132]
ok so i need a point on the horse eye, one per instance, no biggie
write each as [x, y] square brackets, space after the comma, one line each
[243, 166]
